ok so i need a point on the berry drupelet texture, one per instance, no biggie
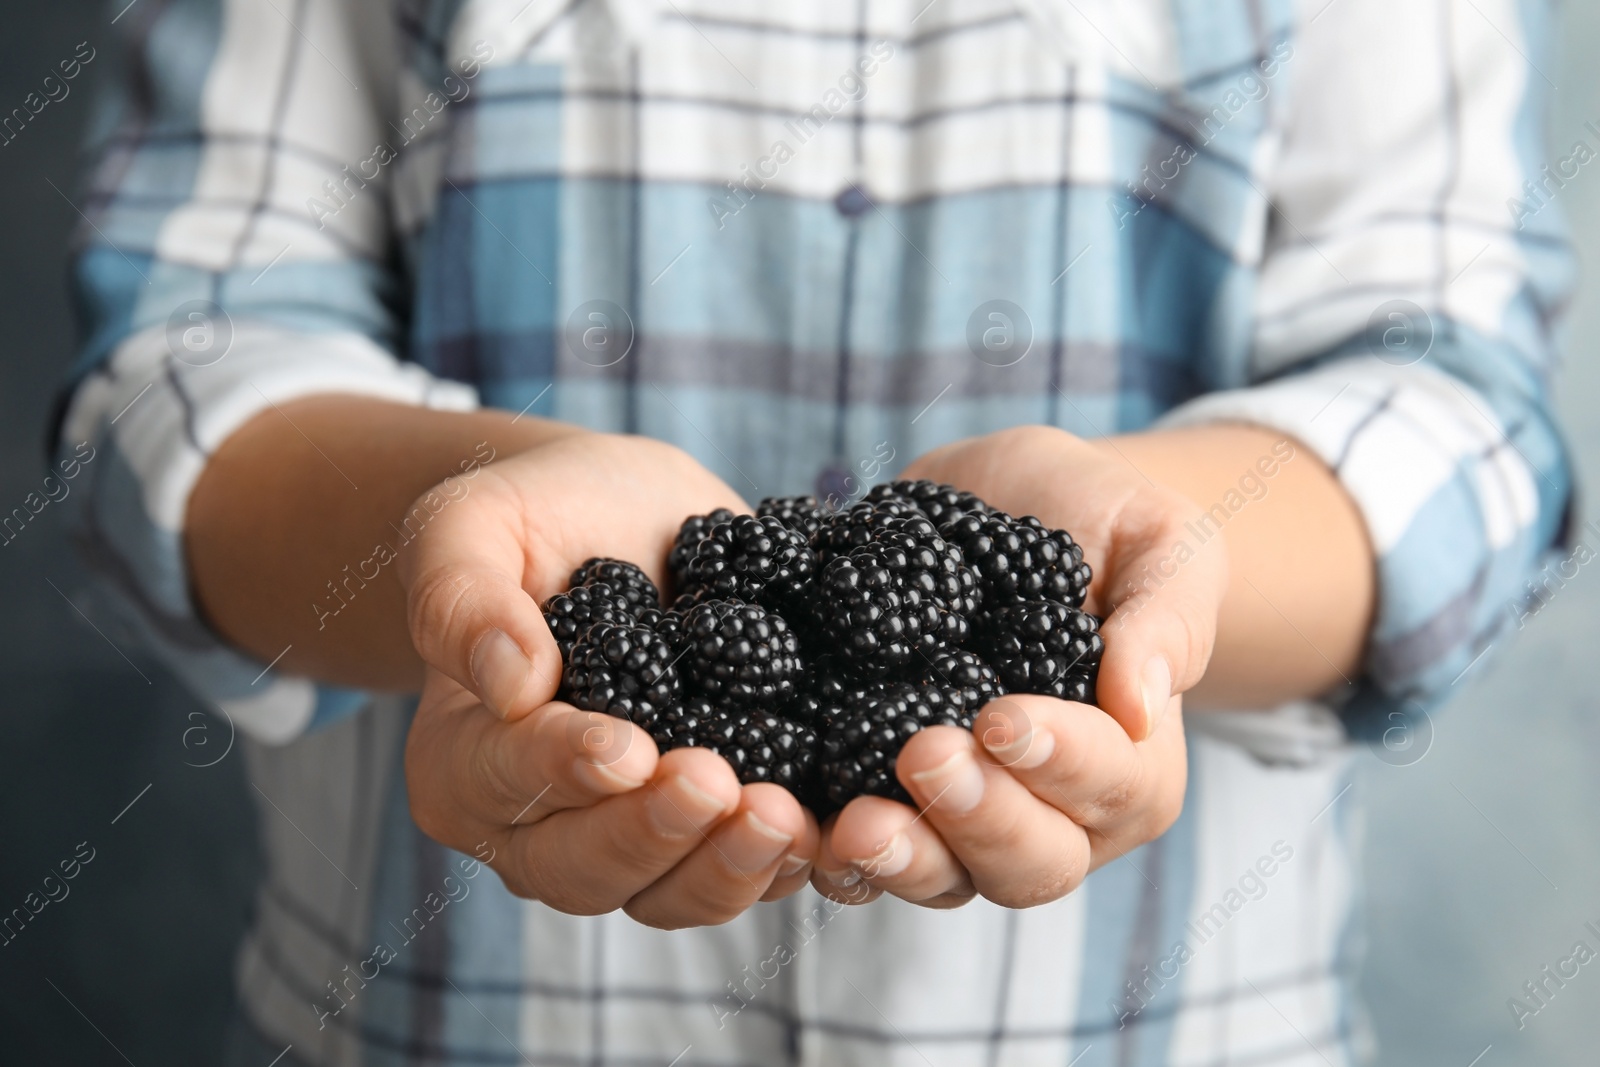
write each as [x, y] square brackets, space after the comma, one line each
[624, 578]
[940, 503]
[748, 558]
[862, 747]
[740, 655]
[569, 615]
[802, 514]
[760, 747]
[1039, 646]
[623, 669]
[966, 678]
[1020, 559]
[690, 534]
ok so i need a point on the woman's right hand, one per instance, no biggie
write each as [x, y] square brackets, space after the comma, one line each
[575, 808]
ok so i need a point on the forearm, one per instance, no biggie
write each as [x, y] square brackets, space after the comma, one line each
[1300, 593]
[292, 527]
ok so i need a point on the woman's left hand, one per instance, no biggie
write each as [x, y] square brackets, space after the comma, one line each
[1043, 791]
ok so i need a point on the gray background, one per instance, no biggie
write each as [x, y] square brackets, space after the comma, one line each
[1482, 859]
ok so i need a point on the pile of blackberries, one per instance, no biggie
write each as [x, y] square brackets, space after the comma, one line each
[806, 645]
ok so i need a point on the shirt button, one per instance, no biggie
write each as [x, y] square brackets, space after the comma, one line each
[852, 202]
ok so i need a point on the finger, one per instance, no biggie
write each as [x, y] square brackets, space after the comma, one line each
[1018, 850]
[465, 765]
[1074, 758]
[588, 861]
[893, 849]
[1161, 630]
[468, 612]
[733, 865]
[833, 876]
[795, 871]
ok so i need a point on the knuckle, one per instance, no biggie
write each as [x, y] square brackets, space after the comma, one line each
[557, 886]
[434, 605]
[512, 879]
[651, 914]
[1043, 888]
[498, 784]
[1034, 436]
[1165, 810]
[1128, 795]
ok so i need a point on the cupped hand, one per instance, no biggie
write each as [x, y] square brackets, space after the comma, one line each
[575, 808]
[1043, 791]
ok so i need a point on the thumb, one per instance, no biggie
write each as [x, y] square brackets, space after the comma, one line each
[1159, 635]
[471, 618]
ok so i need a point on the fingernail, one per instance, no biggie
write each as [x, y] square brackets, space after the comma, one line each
[751, 845]
[842, 879]
[889, 860]
[793, 866]
[678, 807]
[955, 786]
[500, 670]
[1155, 689]
[1023, 751]
[603, 778]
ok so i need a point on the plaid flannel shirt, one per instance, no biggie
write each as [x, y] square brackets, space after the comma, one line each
[808, 244]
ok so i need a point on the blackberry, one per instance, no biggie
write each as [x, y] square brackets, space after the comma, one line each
[759, 747]
[932, 563]
[623, 669]
[747, 557]
[624, 578]
[684, 601]
[1020, 559]
[1040, 646]
[569, 615]
[857, 526]
[668, 624]
[877, 625]
[966, 679]
[694, 722]
[903, 597]
[740, 655]
[691, 533]
[828, 693]
[801, 514]
[860, 751]
[940, 503]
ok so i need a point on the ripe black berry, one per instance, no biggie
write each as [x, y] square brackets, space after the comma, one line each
[940, 503]
[1020, 559]
[900, 599]
[624, 578]
[966, 679]
[748, 558]
[623, 669]
[760, 747]
[857, 526]
[740, 655]
[828, 693]
[569, 615]
[860, 751]
[801, 514]
[691, 533]
[876, 624]
[1039, 646]
[668, 624]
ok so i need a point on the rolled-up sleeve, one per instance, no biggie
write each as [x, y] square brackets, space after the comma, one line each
[1405, 313]
[233, 258]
